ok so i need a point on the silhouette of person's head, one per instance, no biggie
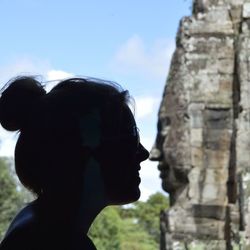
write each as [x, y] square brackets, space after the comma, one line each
[82, 127]
[78, 150]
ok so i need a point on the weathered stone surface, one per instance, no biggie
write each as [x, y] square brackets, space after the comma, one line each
[210, 211]
[203, 140]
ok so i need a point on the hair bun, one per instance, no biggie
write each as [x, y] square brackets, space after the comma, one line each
[17, 101]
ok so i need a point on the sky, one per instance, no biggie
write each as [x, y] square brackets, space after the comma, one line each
[129, 42]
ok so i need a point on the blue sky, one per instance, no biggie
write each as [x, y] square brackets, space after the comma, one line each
[130, 42]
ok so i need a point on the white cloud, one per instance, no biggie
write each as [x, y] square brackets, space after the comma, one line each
[23, 66]
[53, 76]
[145, 106]
[150, 180]
[28, 66]
[7, 142]
[134, 56]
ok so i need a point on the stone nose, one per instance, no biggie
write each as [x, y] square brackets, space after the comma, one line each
[155, 154]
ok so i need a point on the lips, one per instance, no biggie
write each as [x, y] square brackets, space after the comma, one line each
[138, 180]
[138, 168]
[137, 175]
[161, 166]
[163, 174]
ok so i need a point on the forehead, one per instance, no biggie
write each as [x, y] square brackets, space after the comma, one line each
[118, 120]
[127, 118]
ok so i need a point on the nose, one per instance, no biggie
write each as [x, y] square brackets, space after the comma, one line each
[155, 154]
[142, 153]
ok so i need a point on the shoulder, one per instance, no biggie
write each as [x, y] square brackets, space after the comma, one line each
[23, 219]
[21, 232]
[88, 244]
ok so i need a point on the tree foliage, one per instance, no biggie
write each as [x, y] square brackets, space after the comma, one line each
[134, 237]
[136, 227]
[148, 214]
[111, 232]
[106, 230]
[11, 198]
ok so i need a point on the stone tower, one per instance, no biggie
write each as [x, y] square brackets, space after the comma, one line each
[203, 139]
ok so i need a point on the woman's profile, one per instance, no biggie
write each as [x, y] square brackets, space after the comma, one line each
[78, 151]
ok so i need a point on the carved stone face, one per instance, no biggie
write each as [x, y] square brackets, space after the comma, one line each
[171, 148]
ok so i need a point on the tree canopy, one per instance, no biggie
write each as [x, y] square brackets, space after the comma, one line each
[136, 227]
[12, 198]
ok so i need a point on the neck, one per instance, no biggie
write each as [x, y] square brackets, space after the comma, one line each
[93, 198]
[71, 212]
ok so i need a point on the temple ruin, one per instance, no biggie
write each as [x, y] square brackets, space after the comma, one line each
[203, 139]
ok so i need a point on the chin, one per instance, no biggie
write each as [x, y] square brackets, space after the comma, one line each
[125, 198]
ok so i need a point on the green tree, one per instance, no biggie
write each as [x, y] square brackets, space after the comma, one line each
[11, 197]
[134, 237]
[148, 214]
[111, 232]
[106, 229]
[136, 227]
